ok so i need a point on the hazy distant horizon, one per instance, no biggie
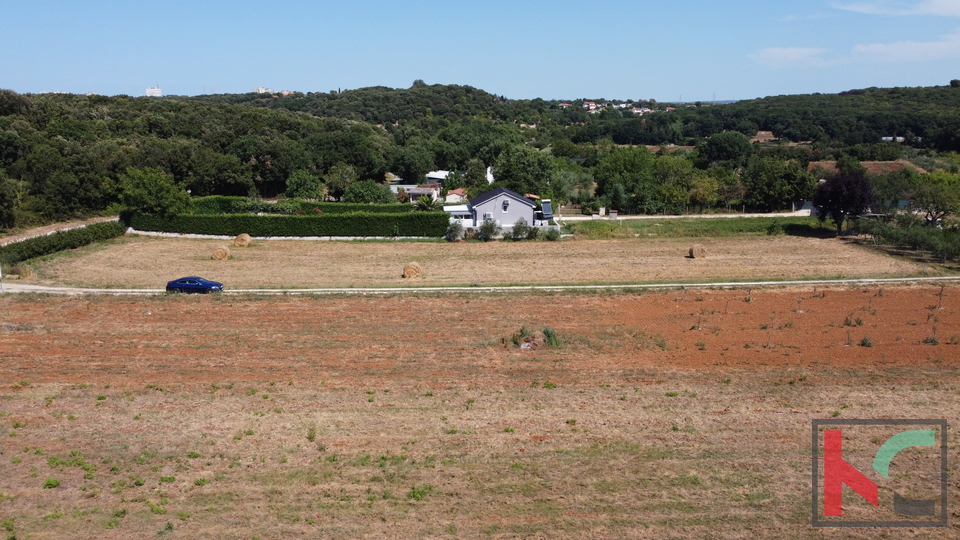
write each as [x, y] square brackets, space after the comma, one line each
[521, 50]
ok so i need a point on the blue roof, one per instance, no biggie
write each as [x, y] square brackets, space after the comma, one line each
[492, 194]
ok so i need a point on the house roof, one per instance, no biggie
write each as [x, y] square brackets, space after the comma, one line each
[421, 191]
[492, 194]
[459, 191]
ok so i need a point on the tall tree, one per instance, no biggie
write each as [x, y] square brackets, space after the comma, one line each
[151, 191]
[846, 193]
[369, 192]
[338, 179]
[524, 169]
[730, 147]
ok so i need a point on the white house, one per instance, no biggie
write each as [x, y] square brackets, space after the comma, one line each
[416, 192]
[437, 176]
[502, 206]
[456, 196]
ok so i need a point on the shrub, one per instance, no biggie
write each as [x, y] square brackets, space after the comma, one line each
[533, 233]
[520, 230]
[60, 241]
[418, 493]
[553, 340]
[454, 231]
[775, 228]
[866, 342]
[552, 234]
[51, 483]
[489, 230]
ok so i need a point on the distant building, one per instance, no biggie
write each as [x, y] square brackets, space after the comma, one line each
[262, 90]
[154, 91]
[437, 176]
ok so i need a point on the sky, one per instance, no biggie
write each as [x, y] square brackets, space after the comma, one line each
[694, 50]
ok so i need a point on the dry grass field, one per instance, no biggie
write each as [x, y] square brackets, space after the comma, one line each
[147, 262]
[681, 414]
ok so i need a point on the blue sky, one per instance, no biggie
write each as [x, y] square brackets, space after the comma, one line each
[519, 48]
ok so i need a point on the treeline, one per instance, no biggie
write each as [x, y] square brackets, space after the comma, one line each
[926, 117]
[64, 156]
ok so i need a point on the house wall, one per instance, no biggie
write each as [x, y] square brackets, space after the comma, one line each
[515, 211]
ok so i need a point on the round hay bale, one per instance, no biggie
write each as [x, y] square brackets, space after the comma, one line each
[243, 240]
[412, 271]
[698, 251]
[220, 254]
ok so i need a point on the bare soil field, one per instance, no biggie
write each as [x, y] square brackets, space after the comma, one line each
[147, 262]
[681, 414]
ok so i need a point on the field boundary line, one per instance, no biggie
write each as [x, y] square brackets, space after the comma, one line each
[42, 289]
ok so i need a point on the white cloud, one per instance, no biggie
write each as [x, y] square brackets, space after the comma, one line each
[950, 8]
[789, 56]
[912, 51]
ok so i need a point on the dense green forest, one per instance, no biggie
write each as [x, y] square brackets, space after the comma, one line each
[65, 156]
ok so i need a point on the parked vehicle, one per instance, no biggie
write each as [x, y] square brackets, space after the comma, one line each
[194, 284]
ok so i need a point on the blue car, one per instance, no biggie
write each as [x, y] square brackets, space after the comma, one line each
[193, 285]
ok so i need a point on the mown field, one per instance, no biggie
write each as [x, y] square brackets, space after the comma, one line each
[149, 262]
[676, 414]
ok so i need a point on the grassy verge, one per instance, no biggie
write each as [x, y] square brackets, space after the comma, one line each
[697, 227]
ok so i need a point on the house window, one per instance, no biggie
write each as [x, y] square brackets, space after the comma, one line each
[487, 216]
[506, 205]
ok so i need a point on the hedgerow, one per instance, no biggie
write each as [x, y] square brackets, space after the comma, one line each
[39, 246]
[360, 224]
[241, 205]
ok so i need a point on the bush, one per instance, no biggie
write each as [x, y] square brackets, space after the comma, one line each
[533, 233]
[454, 231]
[553, 340]
[60, 241]
[520, 230]
[51, 483]
[488, 230]
[552, 234]
[432, 224]
[775, 228]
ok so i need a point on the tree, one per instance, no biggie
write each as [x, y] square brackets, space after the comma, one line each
[412, 162]
[773, 184]
[454, 180]
[304, 185]
[524, 169]
[369, 192]
[151, 191]
[476, 175]
[846, 193]
[936, 200]
[338, 179]
[955, 83]
[8, 202]
[731, 147]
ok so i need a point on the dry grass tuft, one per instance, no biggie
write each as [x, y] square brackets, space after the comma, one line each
[412, 271]
[698, 251]
[243, 240]
[222, 253]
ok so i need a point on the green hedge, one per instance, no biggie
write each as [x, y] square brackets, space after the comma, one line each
[60, 241]
[354, 224]
[241, 205]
